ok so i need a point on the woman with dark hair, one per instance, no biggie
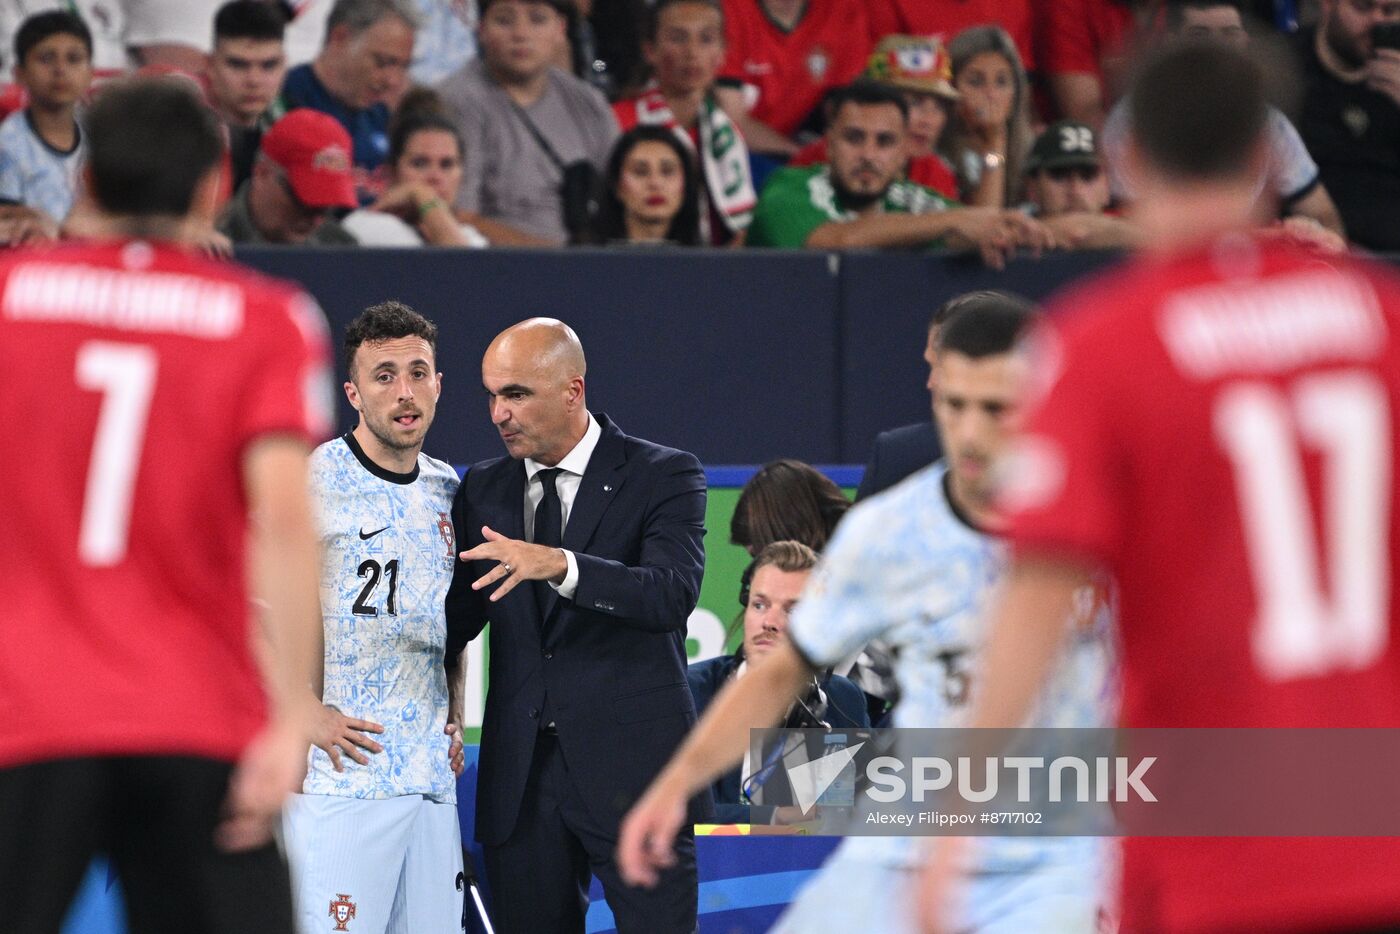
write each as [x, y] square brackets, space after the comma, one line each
[652, 191]
[425, 171]
[768, 595]
[684, 48]
[787, 499]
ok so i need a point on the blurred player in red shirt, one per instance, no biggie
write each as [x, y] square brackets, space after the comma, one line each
[169, 403]
[1216, 427]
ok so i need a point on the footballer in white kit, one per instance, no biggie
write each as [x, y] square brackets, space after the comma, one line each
[916, 566]
[374, 835]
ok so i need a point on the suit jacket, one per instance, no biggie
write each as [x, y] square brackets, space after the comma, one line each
[846, 710]
[898, 453]
[612, 659]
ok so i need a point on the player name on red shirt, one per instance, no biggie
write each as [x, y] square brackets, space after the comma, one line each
[145, 373]
[1218, 429]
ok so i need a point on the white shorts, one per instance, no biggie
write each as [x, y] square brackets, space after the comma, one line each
[851, 894]
[393, 864]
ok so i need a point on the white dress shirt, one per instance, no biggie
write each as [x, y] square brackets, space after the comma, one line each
[566, 483]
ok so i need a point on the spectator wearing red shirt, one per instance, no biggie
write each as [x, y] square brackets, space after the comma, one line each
[920, 69]
[684, 45]
[1084, 52]
[990, 133]
[946, 18]
[782, 58]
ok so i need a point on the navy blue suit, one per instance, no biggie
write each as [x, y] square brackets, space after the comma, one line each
[612, 663]
[846, 710]
[898, 453]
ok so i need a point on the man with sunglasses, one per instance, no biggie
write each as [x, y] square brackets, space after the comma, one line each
[1068, 189]
[1350, 118]
[301, 177]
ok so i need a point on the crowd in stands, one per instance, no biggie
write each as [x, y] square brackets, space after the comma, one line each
[884, 124]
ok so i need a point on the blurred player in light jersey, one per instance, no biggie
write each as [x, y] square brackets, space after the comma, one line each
[1218, 431]
[375, 832]
[915, 567]
[161, 410]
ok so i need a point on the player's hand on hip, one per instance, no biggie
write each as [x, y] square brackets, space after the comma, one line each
[456, 752]
[646, 844]
[334, 733]
[270, 769]
[516, 561]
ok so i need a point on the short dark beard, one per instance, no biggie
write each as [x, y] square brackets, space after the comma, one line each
[852, 200]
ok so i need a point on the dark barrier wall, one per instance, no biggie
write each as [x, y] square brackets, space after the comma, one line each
[738, 357]
[886, 301]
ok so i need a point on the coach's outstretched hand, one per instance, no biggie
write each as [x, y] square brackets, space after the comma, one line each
[334, 733]
[646, 844]
[518, 561]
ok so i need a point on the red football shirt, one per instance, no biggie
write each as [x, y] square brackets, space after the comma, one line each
[1086, 37]
[947, 18]
[1219, 430]
[786, 74]
[136, 376]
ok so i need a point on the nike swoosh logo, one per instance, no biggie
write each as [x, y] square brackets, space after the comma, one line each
[366, 536]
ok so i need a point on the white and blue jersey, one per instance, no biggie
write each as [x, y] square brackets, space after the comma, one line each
[35, 174]
[387, 558]
[905, 568]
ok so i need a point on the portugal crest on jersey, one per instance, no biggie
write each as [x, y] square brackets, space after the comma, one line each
[342, 910]
[444, 528]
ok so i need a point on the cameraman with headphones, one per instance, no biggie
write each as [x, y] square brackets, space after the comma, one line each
[770, 589]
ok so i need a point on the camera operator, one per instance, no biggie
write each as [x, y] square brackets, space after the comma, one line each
[1350, 119]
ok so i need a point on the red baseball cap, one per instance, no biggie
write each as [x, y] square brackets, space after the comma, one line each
[314, 150]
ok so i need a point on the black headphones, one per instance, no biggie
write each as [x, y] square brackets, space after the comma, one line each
[745, 582]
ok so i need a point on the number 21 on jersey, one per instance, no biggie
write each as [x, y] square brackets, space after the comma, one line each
[1301, 631]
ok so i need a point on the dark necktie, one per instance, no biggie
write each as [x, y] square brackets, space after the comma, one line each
[549, 526]
[549, 514]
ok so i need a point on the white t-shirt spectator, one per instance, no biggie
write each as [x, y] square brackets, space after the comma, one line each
[378, 228]
[1291, 173]
[33, 173]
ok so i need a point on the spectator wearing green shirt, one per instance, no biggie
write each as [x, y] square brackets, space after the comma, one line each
[860, 201]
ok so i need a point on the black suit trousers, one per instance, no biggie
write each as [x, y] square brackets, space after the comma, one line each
[539, 876]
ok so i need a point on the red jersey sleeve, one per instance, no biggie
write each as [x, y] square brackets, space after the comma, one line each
[288, 388]
[1064, 485]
